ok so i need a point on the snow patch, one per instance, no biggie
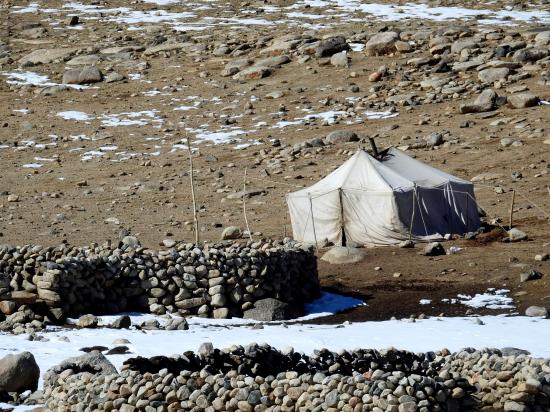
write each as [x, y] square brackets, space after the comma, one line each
[74, 115]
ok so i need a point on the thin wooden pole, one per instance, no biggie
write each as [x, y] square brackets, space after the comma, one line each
[244, 206]
[512, 207]
[412, 215]
[313, 223]
[192, 179]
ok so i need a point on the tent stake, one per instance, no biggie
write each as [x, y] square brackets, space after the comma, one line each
[244, 206]
[191, 173]
[512, 207]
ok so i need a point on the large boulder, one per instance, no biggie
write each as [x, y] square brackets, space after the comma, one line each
[271, 309]
[19, 373]
[331, 46]
[86, 75]
[492, 75]
[45, 56]
[536, 311]
[340, 254]
[485, 102]
[523, 100]
[341, 136]
[94, 362]
[381, 44]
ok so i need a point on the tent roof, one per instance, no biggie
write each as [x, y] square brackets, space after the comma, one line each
[396, 171]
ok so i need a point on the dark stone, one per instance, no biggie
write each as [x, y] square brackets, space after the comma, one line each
[123, 322]
[270, 309]
[328, 47]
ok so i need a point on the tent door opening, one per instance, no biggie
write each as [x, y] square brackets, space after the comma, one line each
[342, 223]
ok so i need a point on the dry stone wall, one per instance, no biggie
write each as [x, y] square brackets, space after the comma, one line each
[220, 281]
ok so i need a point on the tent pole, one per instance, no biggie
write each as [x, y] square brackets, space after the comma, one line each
[313, 222]
[412, 215]
[373, 147]
[512, 207]
[244, 206]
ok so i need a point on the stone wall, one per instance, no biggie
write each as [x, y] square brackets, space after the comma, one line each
[220, 281]
[262, 378]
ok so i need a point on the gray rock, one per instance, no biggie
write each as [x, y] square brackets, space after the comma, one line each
[338, 255]
[86, 75]
[123, 322]
[434, 249]
[485, 102]
[332, 398]
[536, 311]
[381, 44]
[523, 100]
[341, 136]
[88, 321]
[231, 232]
[253, 73]
[531, 275]
[206, 349]
[509, 351]
[93, 362]
[19, 373]
[131, 241]
[530, 55]
[177, 324]
[270, 309]
[516, 235]
[408, 407]
[406, 244]
[84, 60]
[45, 56]
[434, 139]
[339, 59]
[494, 74]
[331, 46]
[114, 77]
[511, 406]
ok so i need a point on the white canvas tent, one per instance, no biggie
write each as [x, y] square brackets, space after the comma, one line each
[375, 203]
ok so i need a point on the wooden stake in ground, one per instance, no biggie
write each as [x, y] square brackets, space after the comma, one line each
[512, 208]
[191, 176]
[244, 206]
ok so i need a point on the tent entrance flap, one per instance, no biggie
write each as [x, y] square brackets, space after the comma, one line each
[343, 222]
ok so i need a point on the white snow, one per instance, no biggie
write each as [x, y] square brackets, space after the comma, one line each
[130, 118]
[32, 166]
[395, 12]
[217, 137]
[491, 299]
[425, 301]
[74, 115]
[21, 78]
[380, 115]
[532, 334]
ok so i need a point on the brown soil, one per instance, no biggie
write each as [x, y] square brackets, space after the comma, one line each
[150, 194]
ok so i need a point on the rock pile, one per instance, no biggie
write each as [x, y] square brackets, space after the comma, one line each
[220, 280]
[261, 378]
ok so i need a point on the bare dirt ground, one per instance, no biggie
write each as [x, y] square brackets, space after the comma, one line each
[124, 165]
